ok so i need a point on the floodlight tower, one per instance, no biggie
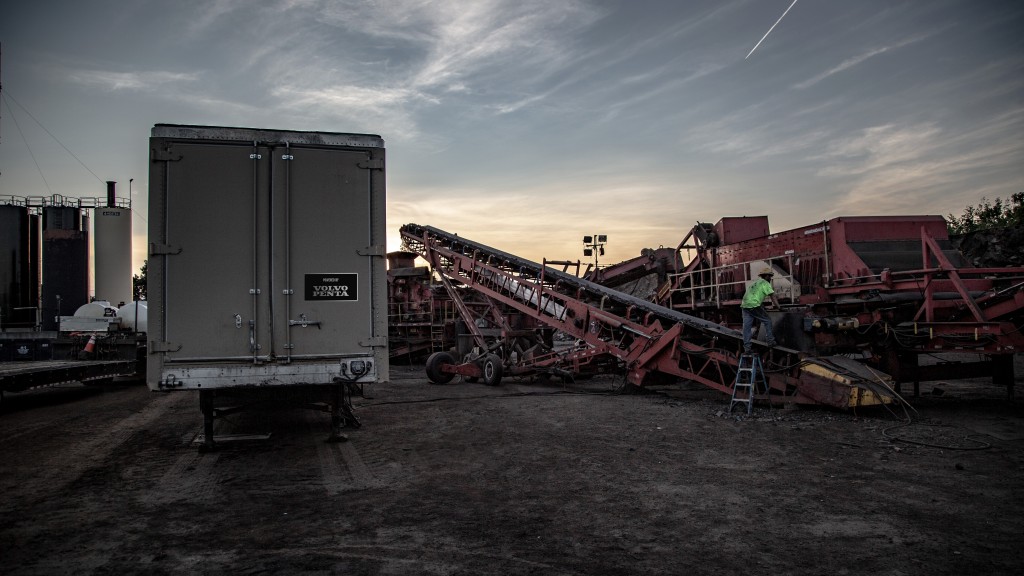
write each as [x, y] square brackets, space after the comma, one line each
[594, 246]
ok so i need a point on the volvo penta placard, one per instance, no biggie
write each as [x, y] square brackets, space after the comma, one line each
[332, 286]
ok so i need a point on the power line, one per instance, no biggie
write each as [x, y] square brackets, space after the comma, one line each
[7, 94]
[27, 145]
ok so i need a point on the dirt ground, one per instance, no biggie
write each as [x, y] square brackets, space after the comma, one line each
[522, 478]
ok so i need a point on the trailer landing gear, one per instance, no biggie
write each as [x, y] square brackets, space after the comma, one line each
[206, 405]
[341, 411]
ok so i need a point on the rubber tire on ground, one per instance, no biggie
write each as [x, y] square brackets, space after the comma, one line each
[434, 362]
[491, 367]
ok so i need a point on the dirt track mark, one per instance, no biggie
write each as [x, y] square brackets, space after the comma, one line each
[191, 477]
[333, 458]
[335, 482]
[78, 455]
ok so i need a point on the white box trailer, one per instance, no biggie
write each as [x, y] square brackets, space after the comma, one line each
[267, 264]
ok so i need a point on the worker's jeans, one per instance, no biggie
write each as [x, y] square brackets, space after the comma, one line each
[751, 316]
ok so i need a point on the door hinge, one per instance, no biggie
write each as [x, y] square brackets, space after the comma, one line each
[374, 164]
[165, 155]
[374, 342]
[157, 347]
[377, 250]
[157, 249]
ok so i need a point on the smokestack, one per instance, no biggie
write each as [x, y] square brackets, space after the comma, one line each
[111, 195]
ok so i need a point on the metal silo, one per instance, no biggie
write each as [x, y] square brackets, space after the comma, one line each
[113, 244]
[35, 265]
[16, 304]
[65, 263]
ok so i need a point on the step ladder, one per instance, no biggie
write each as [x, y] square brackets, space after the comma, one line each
[749, 381]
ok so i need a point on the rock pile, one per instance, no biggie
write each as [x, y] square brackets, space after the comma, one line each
[992, 248]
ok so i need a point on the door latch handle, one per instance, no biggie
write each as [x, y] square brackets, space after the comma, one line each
[252, 336]
[304, 322]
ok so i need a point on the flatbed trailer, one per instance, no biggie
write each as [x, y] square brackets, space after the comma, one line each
[20, 376]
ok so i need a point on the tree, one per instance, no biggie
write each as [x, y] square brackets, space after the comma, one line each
[139, 282]
[988, 215]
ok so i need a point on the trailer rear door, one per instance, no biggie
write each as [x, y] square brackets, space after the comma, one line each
[267, 258]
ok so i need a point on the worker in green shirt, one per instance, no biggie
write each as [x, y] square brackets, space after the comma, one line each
[753, 308]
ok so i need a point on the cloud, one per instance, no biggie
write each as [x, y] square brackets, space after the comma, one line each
[456, 42]
[922, 167]
[134, 81]
[851, 62]
[645, 69]
[167, 86]
[879, 147]
[382, 64]
[534, 221]
[985, 84]
[377, 109]
[206, 13]
[754, 134]
[390, 61]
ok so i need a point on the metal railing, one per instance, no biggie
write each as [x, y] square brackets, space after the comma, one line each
[697, 290]
[58, 200]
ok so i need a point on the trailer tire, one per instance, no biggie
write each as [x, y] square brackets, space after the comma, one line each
[491, 367]
[434, 373]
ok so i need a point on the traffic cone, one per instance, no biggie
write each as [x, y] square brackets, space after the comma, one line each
[90, 346]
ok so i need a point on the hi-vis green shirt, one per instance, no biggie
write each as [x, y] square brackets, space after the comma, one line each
[756, 294]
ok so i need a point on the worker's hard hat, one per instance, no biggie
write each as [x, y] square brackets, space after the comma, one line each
[766, 272]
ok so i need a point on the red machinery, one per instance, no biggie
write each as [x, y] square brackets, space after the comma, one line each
[525, 303]
[888, 288]
[418, 316]
[426, 315]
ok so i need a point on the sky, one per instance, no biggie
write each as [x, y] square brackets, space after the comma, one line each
[527, 124]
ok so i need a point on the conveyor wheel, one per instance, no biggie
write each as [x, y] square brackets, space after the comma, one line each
[491, 367]
[434, 362]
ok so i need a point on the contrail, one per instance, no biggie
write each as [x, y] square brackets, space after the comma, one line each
[770, 29]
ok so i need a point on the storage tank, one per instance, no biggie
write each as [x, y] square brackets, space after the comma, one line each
[35, 266]
[65, 263]
[96, 309]
[112, 227]
[133, 316]
[16, 303]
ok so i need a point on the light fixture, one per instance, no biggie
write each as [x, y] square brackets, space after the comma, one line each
[593, 245]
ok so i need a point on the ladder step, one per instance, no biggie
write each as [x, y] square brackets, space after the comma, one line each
[749, 376]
